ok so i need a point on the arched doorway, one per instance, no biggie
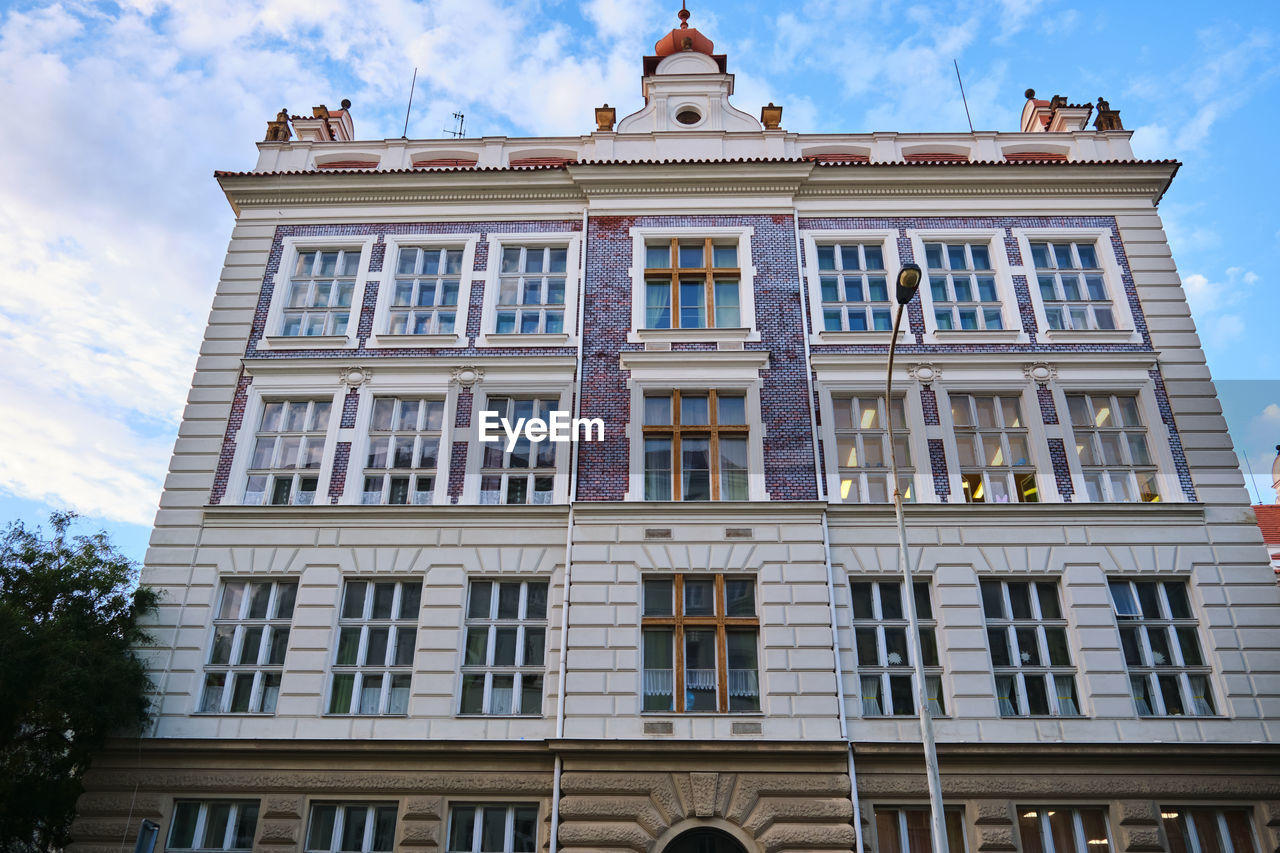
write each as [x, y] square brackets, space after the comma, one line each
[704, 840]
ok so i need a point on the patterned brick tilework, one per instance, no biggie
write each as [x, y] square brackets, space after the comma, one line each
[223, 472]
[1175, 441]
[929, 403]
[350, 403]
[788, 448]
[364, 326]
[938, 460]
[458, 452]
[1061, 473]
[1021, 288]
[1048, 409]
[338, 479]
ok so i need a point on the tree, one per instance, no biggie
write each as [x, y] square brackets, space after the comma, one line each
[68, 676]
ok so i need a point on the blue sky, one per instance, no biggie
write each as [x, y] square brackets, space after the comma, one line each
[116, 115]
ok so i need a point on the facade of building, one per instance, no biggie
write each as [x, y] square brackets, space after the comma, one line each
[379, 632]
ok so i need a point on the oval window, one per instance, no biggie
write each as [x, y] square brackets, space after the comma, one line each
[688, 116]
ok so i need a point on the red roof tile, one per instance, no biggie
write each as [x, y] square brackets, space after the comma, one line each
[1269, 521]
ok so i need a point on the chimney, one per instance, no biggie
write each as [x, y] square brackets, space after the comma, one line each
[325, 125]
[1054, 115]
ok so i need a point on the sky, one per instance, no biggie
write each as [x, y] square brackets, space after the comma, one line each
[115, 116]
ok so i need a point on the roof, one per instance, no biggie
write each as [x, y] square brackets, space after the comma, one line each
[824, 164]
[1269, 520]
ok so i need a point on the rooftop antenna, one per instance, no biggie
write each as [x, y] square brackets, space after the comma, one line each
[962, 97]
[459, 122]
[412, 84]
[1253, 480]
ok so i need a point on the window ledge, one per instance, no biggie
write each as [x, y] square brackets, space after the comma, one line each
[977, 335]
[826, 337]
[451, 340]
[683, 336]
[307, 341]
[679, 715]
[494, 339]
[1117, 336]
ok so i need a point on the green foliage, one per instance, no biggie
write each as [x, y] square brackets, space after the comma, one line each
[68, 678]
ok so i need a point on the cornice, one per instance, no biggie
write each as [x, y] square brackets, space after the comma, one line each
[348, 515]
[1093, 514]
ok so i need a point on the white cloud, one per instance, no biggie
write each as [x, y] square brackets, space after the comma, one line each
[1271, 413]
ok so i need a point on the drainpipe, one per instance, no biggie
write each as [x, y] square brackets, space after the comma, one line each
[826, 539]
[568, 542]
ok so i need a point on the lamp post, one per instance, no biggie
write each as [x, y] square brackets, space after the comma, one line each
[907, 285]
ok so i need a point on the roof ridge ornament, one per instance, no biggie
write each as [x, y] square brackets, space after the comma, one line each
[683, 15]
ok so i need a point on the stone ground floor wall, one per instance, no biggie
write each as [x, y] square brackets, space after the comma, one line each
[771, 797]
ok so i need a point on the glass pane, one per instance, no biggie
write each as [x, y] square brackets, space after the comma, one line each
[1047, 594]
[867, 645]
[525, 835]
[657, 597]
[693, 410]
[320, 830]
[462, 823]
[534, 646]
[731, 410]
[383, 598]
[1056, 639]
[406, 640]
[502, 698]
[353, 823]
[183, 828]
[376, 647]
[536, 600]
[699, 597]
[740, 598]
[493, 830]
[1020, 599]
[700, 670]
[992, 599]
[1037, 696]
[384, 829]
[744, 688]
[890, 600]
[220, 653]
[478, 607]
[508, 600]
[862, 601]
[472, 694]
[657, 257]
[477, 647]
[370, 693]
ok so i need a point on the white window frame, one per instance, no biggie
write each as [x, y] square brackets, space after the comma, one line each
[262, 392]
[883, 670]
[491, 623]
[291, 247]
[380, 337]
[386, 672]
[900, 811]
[1037, 438]
[1010, 317]
[1157, 431]
[1181, 815]
[353, 489]
[1046, 671]
[1008, 471]
[202, 818]
[917, 438]
[1077, 824]
[508, 842]
[259, 668]
[746, 286]
[572, 241]
[1112, 279]
[475, 454]
[340, 815]
[659, 372]
[1177, 667]
[887, 240]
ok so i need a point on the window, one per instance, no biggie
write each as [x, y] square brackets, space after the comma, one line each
[404, 451]
[855, 288]
[1071, 286]
[1081, 830]
[695, 446]
[319, 293]
[1029, 652]
[962, 284]
[691, 284]
[493, 828]
[503, 660]
[526, 474]
[424, 297]
[862, 449]
[287, 452]
[908, 830]
[885, 668]
[377, 636]
[1112, 445]
[354, 827]
[213, 825]
[992, 446]
[1158, 633]
[531, 288]
[699, 637]
[1207, 830]
[250, 636]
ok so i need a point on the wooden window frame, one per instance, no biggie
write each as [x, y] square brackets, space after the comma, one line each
[708, 271]
[678, 622]
[711, 431]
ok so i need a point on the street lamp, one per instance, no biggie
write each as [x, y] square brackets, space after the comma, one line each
[908, 283]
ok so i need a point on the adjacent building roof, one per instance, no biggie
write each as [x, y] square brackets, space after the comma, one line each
[1269, 521]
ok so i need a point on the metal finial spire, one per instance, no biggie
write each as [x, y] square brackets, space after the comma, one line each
[683, 15]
